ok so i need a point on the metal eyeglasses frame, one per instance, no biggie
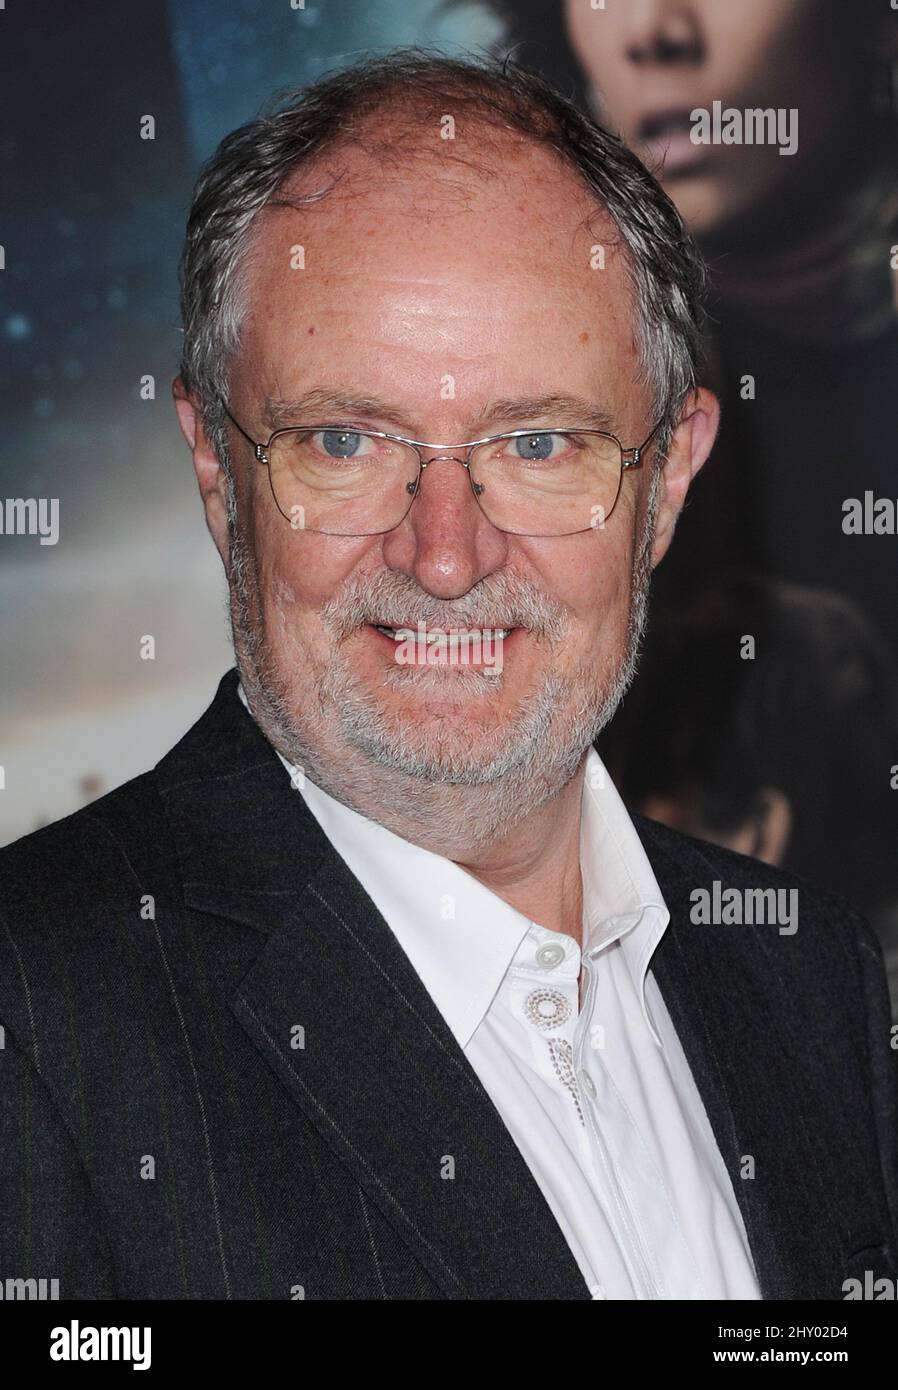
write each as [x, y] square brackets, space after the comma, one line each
[630, 458]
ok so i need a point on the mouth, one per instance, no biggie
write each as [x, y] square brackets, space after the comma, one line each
[449, 634]
[666, 135]
[418, 645]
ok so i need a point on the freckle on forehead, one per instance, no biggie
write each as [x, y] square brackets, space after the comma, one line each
[584, 336]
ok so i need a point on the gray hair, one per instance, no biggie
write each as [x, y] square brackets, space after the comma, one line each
[250, 166]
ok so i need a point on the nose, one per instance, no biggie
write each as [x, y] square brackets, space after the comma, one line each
[664, 32]
[445, 542]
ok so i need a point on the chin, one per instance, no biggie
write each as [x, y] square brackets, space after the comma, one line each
[447, 744]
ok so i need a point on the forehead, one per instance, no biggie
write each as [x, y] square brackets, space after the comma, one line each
[442, 269]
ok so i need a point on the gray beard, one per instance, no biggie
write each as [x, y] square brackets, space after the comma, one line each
[455, 800]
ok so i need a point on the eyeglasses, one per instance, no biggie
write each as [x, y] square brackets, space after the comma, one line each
[344, 481]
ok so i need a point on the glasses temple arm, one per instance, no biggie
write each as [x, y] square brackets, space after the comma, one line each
[239, 427]
[650, 436]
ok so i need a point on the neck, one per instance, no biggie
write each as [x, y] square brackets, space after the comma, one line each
[537, 870]
[518, 835]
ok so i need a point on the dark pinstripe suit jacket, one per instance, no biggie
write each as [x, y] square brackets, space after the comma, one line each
[167, 1132]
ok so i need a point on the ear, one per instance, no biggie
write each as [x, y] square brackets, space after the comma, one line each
[210, 475]
[690, 446]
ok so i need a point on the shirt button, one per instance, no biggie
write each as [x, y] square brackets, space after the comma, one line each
[588, 1084]
[550, 955]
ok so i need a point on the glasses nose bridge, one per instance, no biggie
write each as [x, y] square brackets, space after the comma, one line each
[446, 457]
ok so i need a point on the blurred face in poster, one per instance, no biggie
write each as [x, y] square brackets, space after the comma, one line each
[652, 63]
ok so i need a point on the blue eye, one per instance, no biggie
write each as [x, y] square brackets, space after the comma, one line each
[341, 444]
[535, 447]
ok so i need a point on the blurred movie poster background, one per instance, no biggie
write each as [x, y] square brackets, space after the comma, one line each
[765, 712]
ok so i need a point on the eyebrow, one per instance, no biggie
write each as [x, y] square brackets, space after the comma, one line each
[319, 404]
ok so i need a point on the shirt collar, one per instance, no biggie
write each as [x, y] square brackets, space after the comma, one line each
[621, 897]
[460, 936]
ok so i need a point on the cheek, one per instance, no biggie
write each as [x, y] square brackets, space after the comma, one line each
[298, 574]
[591, 576]
[290, 591]
[759, 50]
[610, 570]
[610, 609]
[302, 570]
[598, 39]
[605, 583]
[284, 607]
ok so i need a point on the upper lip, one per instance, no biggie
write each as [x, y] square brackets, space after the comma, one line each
[449, 627]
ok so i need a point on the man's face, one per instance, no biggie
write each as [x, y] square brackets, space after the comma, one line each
[438, 293]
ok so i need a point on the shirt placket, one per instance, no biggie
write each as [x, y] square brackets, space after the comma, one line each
[545, 998]
[663, 1265]
[566, 1045]
[610, 1134]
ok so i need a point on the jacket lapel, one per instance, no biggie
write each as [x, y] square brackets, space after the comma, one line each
[335, 1008]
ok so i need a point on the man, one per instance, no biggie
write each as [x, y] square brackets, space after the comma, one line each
[371, 989]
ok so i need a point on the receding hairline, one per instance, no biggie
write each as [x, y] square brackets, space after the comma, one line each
[342, 170]
[394, 139]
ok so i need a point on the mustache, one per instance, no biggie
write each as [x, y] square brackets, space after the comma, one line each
[395, 600]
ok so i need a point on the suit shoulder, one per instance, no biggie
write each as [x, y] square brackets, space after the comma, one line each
[66, 891]
[701, 862]
[762, 916]
[99, 851]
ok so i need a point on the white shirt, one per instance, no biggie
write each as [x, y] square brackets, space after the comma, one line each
[598, 1096]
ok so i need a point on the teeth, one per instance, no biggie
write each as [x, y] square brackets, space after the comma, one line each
[406, 634]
